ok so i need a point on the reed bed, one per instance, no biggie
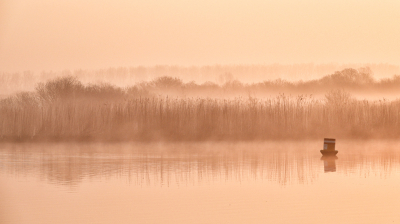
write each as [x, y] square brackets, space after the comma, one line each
[65, 110]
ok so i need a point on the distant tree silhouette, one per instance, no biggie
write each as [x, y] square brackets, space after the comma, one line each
[60, 89]
[167, 82]
[349, 76]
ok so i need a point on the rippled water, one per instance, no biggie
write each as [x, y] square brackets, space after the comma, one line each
[263, 182]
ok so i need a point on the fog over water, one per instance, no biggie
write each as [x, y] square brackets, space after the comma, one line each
[212, 182]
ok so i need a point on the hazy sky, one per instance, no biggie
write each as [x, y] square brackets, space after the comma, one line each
[58, 34]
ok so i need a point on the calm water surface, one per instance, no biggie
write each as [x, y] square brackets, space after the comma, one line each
[263, 182]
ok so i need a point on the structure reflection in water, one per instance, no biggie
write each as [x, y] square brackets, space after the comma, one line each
[329, 163]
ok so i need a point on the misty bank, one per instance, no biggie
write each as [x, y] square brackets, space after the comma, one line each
[65, 109]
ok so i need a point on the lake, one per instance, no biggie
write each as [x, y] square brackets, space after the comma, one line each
[210, 182]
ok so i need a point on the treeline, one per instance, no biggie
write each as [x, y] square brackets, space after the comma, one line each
[219, 74]
[66, 109]
[357, 82]
[71, 88]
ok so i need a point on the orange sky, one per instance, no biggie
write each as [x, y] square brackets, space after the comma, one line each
[47, 34]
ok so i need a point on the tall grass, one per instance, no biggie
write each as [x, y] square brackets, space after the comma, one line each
[66, 109]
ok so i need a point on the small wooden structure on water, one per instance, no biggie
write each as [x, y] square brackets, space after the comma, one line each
[329, 147]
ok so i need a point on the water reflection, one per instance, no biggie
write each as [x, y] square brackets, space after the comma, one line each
[152, 164]
[191, 163]
[329, 163]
